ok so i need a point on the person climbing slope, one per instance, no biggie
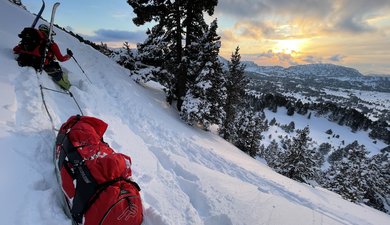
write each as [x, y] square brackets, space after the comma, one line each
[31, 50]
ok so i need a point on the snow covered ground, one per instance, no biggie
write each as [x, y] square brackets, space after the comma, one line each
[318, 126]
[187, 176]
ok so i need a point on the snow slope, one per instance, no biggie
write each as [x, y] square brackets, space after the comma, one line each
[187, 176]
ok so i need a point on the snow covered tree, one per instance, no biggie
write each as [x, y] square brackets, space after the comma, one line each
[272, 154]
[361, 179]
[123, 57]
[103, 48]
[290, 110]
[154, 53]
[324, 148]
[289, 128]
[349, 176]
[236, 83]
[341, 153]
[379, 130]
[203, 103]
[378, 178]
[175, 20]
[248, 129]
[300, 161]
[17, 2]
[272, 122]
[154, 50]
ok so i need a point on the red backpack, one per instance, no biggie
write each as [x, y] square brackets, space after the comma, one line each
[31, 47]
[95, 180]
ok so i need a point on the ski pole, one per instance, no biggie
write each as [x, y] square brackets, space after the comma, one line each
[81, 69]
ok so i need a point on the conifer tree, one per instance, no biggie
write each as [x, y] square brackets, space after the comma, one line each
[272, 154]
[17, 2]
[103, 48]
[175, 20]
[300, 161]
[154, 52]
[236, 83]
[154, 49]
[248, 129]
[378, 178]
[125, 56]
[272, 122]
[205, 96]
[349, 176]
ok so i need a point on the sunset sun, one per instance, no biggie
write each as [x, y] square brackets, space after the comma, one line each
[288, 46]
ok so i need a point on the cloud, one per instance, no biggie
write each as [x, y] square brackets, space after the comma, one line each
[312, 59]
[316, 59]
[253, 29]
[336, 58]
[309, 9]
[354, 15]
[242, 8]
[353, 25]
[228, 36]
[268, 54]
[271, 56]
[246, 30]
[346, 16]
[289, 59]
[106, 35]
[281, 8]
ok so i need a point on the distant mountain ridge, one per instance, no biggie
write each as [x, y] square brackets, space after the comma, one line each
[326, 70]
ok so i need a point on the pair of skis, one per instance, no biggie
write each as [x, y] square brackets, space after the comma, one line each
[53, 12]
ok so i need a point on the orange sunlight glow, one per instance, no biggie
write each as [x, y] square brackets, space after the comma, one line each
[290, 47]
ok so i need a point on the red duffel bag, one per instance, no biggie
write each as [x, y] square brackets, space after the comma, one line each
[95, 180]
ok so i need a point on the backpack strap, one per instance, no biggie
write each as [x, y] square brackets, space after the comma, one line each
[103, 186]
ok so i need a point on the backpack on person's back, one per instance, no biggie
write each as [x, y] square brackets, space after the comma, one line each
[31, 47]
[32, 51]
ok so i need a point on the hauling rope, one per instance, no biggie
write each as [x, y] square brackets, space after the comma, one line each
[46, 107]
[47, 110]
[65, 92]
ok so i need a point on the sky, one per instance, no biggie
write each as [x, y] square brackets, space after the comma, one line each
[187, 176]
[354, 33]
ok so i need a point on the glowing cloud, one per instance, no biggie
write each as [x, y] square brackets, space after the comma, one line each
[288, 46]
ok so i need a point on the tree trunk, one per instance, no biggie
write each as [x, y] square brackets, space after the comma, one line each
[180, 86]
